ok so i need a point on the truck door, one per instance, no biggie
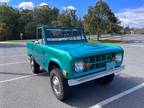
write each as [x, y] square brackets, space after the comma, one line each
[38, 47]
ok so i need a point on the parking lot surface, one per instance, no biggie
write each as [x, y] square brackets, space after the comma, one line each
[20, 88]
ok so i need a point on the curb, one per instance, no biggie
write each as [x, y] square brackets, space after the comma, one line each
[15, 43]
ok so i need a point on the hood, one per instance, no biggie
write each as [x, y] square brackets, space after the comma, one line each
[85, 49]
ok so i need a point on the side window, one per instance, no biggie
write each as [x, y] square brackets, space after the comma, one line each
[39, 34]
[39, 37]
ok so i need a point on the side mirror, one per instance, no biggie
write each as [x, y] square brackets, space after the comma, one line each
[37, 42]
[40, 41]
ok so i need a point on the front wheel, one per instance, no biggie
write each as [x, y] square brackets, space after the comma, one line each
[59, 84]
[106, 79]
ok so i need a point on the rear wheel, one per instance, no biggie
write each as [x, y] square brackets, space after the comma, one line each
[106, 79]
[59, 84]
[34, 66]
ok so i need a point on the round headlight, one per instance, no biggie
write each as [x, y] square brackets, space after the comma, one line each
[118, 57]
[79, 66]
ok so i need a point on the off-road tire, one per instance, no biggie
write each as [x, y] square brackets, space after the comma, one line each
[64, 88]
[34, 66]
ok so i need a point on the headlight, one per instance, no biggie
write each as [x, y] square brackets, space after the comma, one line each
[118, 57]
[79, 66]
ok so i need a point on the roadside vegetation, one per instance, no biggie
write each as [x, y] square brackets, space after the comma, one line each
[21, 24]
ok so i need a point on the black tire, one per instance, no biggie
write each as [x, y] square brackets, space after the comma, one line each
[62, 85]
[34, 66]
[105, 80]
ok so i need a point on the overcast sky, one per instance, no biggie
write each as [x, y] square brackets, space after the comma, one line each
[130, 12]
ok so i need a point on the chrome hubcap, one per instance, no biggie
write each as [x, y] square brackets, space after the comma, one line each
[56, 85]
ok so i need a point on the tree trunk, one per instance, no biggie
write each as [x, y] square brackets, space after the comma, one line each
[98, 36]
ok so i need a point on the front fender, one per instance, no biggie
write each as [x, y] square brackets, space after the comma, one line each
[56, 61]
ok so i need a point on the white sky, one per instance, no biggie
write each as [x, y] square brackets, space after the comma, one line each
[132, 17]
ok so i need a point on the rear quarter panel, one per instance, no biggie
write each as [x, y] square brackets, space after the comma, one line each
[29, 48]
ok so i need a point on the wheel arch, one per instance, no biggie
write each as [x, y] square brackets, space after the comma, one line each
[52, 64]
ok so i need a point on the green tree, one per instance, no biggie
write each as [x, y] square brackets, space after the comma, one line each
[3, 31]
[90, 21]
[24, 18]
[9, 17]
[30, 30]
[100, 19]
[45, 15]
[30, 19]
[63, 20]
[68, 17]
[127, 29]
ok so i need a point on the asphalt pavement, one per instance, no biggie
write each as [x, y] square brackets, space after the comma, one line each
[20, 88]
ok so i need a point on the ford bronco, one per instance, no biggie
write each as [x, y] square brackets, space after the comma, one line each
[66, 54]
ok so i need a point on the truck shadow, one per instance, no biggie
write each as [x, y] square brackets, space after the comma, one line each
[91, 93]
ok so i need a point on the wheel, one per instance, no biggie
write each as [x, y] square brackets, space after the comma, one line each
[59, 84]
[34, 66]
[106, 79]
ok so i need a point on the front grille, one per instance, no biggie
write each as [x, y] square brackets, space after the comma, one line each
[97, 62]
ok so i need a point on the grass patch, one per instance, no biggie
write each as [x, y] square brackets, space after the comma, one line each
[106, 41]
[110, 41]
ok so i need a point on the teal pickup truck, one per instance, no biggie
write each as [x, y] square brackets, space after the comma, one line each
[66, 54]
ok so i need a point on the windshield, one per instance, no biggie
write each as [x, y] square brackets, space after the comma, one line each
[64, 34]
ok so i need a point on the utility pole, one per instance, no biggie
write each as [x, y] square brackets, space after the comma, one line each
[124, 25]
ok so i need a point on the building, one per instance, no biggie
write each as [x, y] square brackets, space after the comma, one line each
[140, 31]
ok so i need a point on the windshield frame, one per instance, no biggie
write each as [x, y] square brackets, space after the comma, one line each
[65, 28]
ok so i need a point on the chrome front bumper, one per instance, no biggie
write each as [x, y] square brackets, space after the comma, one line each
[91, 77]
